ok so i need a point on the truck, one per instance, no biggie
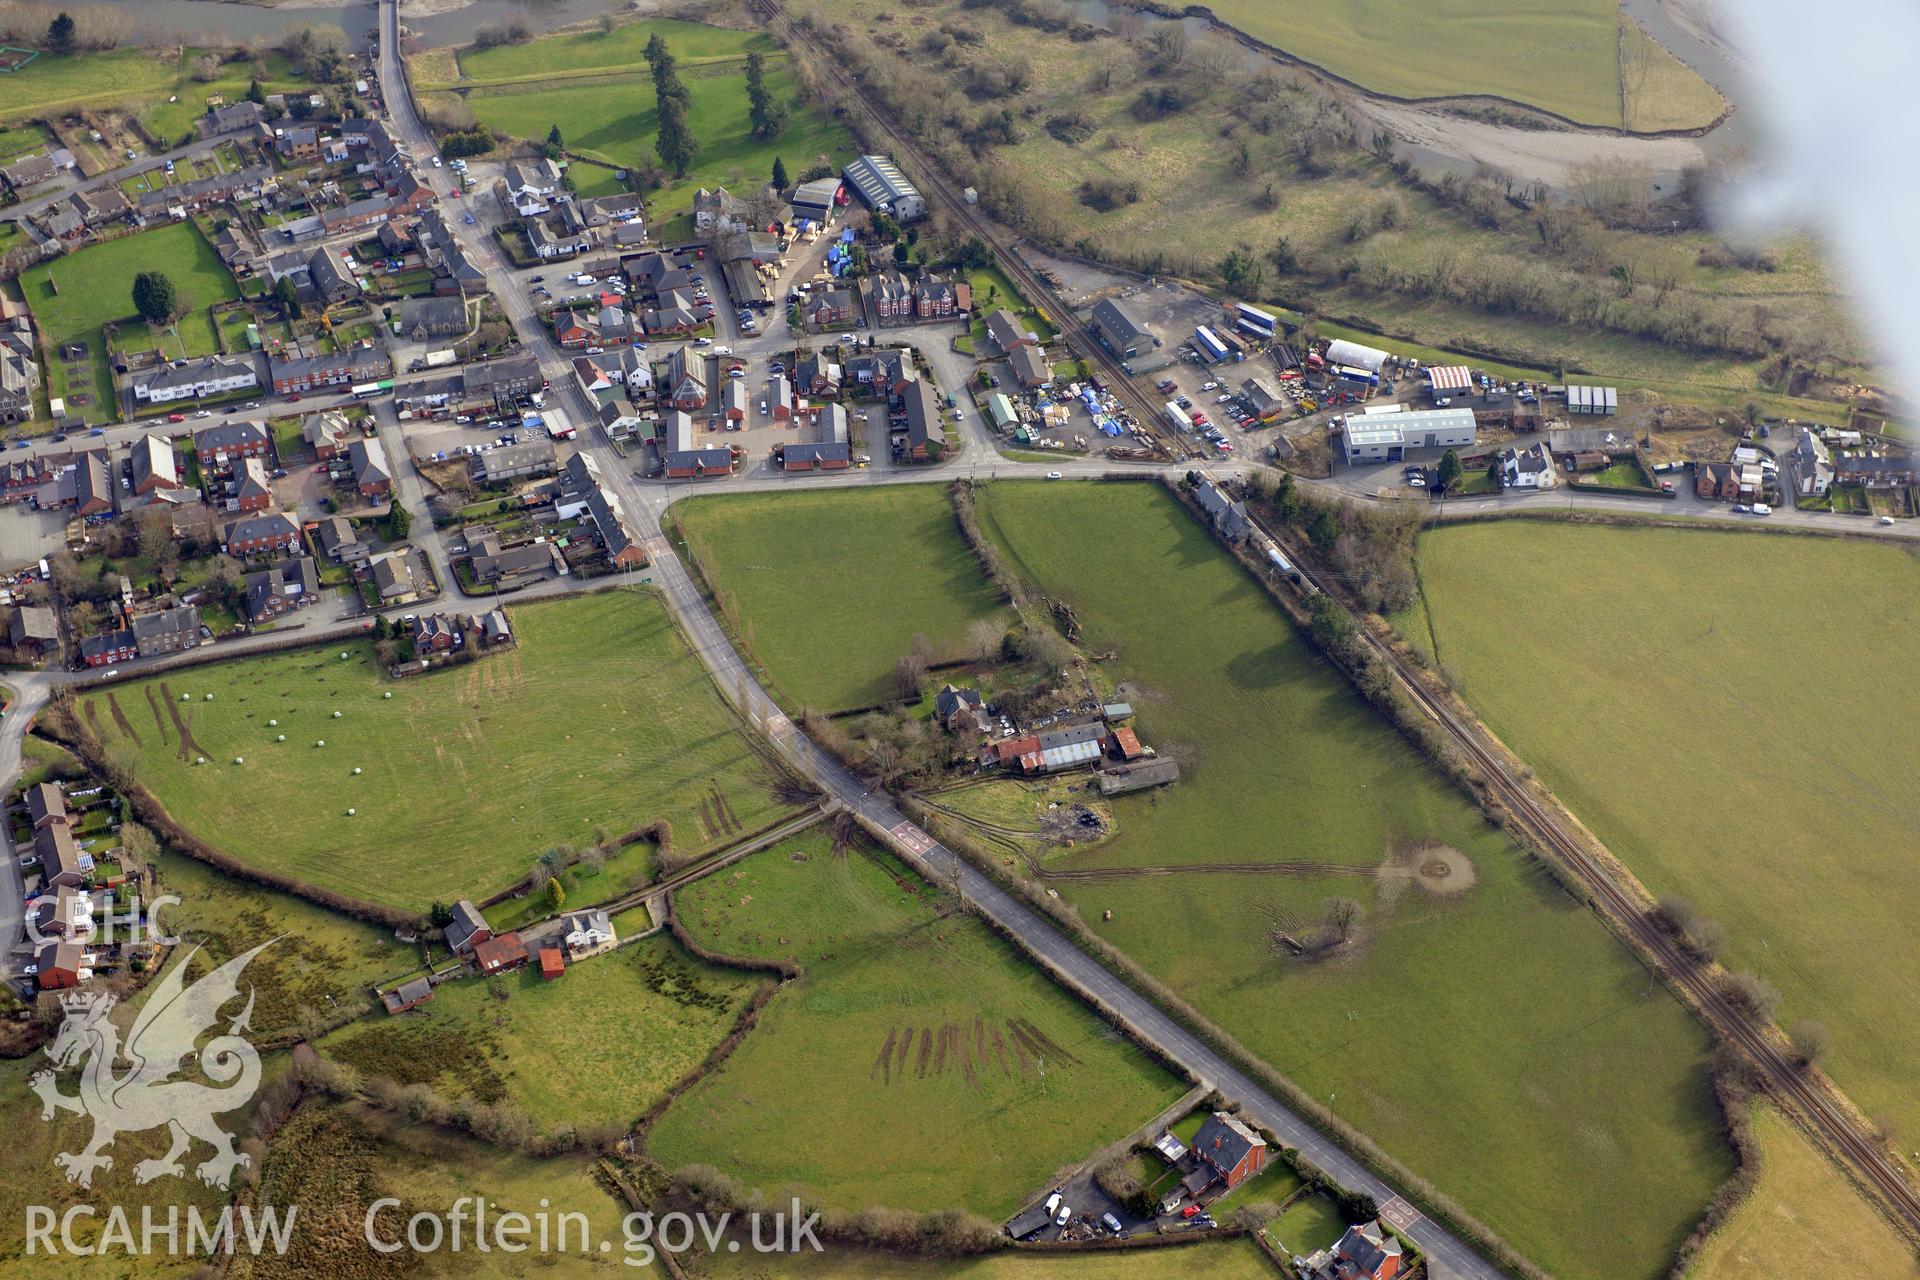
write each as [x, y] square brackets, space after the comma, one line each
[1177, 418]
[439, 359]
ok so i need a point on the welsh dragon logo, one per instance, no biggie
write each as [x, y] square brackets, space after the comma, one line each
[146, 1095]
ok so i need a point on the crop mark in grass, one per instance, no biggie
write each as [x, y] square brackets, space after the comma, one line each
[708, 827]
[999, 1052]
[926, 1051]
[1019, 1048]
[940, 1048]
[188, 748]
[884, 1063]
[1043, 1043]
[159, 723]
[906, 1043]
[120, 718]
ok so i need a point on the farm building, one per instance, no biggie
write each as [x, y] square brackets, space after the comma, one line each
[1342, 352]
[468, 928]
[1389, 437]
[1120, 329]
[408, 995]
[1448, 380]
[499, 953]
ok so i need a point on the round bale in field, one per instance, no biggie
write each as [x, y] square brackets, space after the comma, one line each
[280, 737]
[321, 743]
[272, 724]
[239, 759]
[336, 715]
[199, 759]
[209, 697]
[356, 771]
[351, 812]
[387, 694]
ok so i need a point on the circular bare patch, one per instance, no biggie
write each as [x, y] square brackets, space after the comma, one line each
[1444, 870]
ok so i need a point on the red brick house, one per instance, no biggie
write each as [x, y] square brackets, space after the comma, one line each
[1366, 1252]
[263, 535]
[60, 965]
[252, 491]
[108, 648]
[685, 386]
[1716, 481]
[1227, 1151]
[832, 307]
[499, 954]
[221, 446]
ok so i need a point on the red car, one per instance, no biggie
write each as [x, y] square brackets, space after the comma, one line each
[1190, 1211]
[176, 417]
[293, 398]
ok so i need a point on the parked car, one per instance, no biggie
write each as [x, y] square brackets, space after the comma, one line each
[535, 279]
[1110, 1222]
[176, 417]
[1442, 402]
[1060, 1218]
[1053, 475]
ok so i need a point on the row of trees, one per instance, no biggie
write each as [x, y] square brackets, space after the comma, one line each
[675, 145]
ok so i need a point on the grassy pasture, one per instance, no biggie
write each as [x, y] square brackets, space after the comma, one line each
[595, 1047]
[601, 717]
[829, 590]
[1734, 715]
[1577, 1121]
[1230, 1260]
[1563, 57]
[135, 78]
[1802, 1218]
[597, 88]
[95, 286]
[965, 1091]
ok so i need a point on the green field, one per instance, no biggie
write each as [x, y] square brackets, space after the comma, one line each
[1734, 715]
[1230, 1260]
[805, 1100]
[1576, 1119]
[95, 286]
[594, 1048]
[1562, 55]
[133, 78]
[1802, 1219]
[887, 564]
[600, 718]
[596, 87]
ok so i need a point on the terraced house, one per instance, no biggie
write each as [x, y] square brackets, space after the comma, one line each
[195, 379]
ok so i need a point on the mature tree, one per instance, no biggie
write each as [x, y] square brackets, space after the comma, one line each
[1811, 1040]
[1283, 257]
[779, 174]
[399, 523]
[255, 94]
[556, 895]
[1242, 273]
[556, 145]
[1450, 470]
[676, 145]
[153, 296]
[157, 545]
[60, 37]
[288, 297]
[765, 113]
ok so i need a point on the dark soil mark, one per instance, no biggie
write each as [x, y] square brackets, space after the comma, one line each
[1026, 1063]
[999, 1052]
[926, 1051]
[93, 719]
[724, 809]
[884, 1063]
[159, 721]
[1044, 1043]
[188, 747]
[940, 1048]
[707, 825]
[906, 1043]
[120, 718]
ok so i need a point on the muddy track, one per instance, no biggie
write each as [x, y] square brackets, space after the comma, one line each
[159, 721]
[906, 1043]
[884, 1063]
[93, 720]
[188, 748]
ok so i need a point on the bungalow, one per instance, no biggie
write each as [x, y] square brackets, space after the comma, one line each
[494, 565]
[588, 933]
[61, 964]
[424, 318]
[237, 248]
[1529, 468]
[327, 432]
[733, 399]
[61, 860]
[251, 490]
[821, 455]
[32, 630]
[361, 363]
[46, 805]
[393, 577]
[368, 459]
[281, 589]
[29, 171]
[339, 543]
[1228, 1150]
[467, 929]
[107, 648]
[780, 397]
[153, 465]
[1007, 332]
[219, 447]
[168, 631]
[195, 379]
[499, 953]
[408, 995]
[272, 533]
[961, 710]
[1030, 367]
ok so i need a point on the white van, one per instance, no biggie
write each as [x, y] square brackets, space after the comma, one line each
[1053, 1204]
[1762, 509]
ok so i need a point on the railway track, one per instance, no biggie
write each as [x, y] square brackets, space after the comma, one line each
[1727, 1019]
[1834, 1126]
[935, 179]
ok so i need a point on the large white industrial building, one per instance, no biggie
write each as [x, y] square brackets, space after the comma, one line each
[1389, 436]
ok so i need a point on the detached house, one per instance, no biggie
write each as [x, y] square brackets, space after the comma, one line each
[719, 210]
[327, 432]
[468, 928]
[961, 710]
[153, 465]
[279, 590]
[371, 474]
[1366, 1252]
[1225, 1151]
[1529, 468]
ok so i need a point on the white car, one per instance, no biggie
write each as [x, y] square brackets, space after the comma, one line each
[703, 342]
[723, 351]
[1053, 475]
[1442, 402]
[1060, 1218]
[1886, 519]
[1209, 386]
